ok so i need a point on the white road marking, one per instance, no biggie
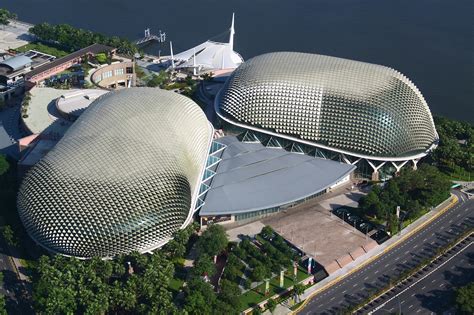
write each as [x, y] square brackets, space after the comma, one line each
[422, 278]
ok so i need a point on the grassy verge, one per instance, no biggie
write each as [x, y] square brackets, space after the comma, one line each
[296, 306]
[47, 49]
[459, 173]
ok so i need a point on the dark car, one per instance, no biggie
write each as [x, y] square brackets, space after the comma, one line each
[380, 236]
[341, 212]
[365, 227]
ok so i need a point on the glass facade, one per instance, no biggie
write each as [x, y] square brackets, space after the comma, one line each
[266, 212]
[213, 160]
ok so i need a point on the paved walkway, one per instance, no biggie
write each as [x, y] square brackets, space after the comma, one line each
[14, 35]
[42, 113]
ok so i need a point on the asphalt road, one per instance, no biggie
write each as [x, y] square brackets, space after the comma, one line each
[406, 255]
[432, 289]
[14, 290]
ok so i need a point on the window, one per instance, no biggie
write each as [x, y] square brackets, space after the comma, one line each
[107, 74]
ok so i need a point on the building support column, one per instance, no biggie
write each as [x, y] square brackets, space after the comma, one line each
[345, 159]
[415, 164]
[399, 167]
[375, 173]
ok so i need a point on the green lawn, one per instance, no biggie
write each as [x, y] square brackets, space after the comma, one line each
[178, 279]
[257, 295]
[459, 173]
[50, 50]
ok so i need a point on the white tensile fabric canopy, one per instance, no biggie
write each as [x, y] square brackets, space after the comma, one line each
[210, 55]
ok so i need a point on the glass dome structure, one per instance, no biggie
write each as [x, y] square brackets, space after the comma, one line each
[124, 177]
[355, 108]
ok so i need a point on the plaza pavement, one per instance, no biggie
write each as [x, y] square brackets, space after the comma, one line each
[14, 35]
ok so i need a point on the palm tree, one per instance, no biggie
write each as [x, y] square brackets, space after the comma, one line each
[298, 289]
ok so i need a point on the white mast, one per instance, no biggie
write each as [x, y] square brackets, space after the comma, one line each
[232, 32]
[194, 61]
[172, 56]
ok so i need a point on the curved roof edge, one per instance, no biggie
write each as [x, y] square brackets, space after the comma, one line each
[248, 210]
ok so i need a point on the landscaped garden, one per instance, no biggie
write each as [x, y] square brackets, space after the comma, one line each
[44, 48]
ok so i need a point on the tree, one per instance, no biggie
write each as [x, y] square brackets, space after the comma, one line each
[247, 283]
[207, 76]
[221, 307]
[159, 80]
[175, 249]
[3, 304]
[298, 289]
[73, 39]
[200, 297]
[204, 265]
[4, 165]
[9, 236]
[6, 16]
[267, 232]
[465, 298]
[64, 285]
[271, 305]
[229, 294]
[212, 241]
[231, 272]
[259, 273]
[257, 310]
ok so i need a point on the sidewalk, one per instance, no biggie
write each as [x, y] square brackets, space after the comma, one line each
[379, 250]
[18, 265]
